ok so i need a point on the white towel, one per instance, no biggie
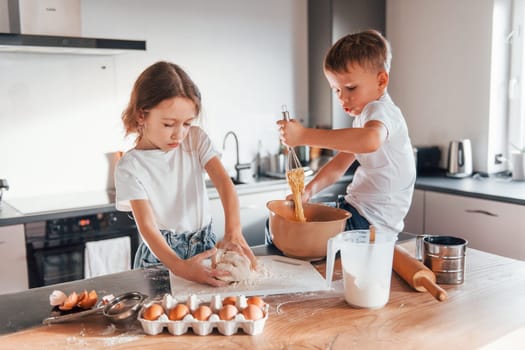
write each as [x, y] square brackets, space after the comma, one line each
[107, 256]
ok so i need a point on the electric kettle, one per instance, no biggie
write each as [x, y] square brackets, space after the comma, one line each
[459, 159]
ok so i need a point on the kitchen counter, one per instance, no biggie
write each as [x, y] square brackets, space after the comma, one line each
[496, 188]
[30, 209]
[485, 311]
[499, 189]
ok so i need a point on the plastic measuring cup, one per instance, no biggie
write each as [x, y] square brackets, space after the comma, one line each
[367, 266]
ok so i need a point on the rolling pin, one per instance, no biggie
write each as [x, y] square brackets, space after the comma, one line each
[416, 274]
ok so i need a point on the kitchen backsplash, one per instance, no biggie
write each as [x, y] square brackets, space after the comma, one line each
[60, 114]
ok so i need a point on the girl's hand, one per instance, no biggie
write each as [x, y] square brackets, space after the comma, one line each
[240, 246]
[291, 132]
[193, 269]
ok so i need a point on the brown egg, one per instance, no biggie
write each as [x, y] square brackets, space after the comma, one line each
[255, 300]
[82, 296]
[202, 313]
[231, 300]
[70, 302]
[88, 300]
[153, 312]
[252, 312]
[228, 312]
[178, 312]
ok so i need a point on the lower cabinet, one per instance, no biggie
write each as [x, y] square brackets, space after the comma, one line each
[491, 226]
[415, 219]
[13, 266]
[253, 214]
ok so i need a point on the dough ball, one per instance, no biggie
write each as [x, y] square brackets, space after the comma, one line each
[238, 265]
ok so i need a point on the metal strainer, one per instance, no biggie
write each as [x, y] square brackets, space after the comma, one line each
[123, 310]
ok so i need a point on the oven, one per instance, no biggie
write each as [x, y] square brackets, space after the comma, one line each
[56, 248]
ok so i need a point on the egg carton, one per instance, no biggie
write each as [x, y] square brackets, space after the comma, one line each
[225, 327]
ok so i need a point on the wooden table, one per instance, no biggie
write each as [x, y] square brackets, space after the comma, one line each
[486, 311]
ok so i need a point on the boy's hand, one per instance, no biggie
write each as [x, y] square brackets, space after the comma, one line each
[291, 132]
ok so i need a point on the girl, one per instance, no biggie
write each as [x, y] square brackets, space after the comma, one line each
[161, 179]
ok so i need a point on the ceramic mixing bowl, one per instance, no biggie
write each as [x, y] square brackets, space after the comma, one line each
[304, 240]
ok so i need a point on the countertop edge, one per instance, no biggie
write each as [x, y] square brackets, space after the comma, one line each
[505, 192]
[478, 195]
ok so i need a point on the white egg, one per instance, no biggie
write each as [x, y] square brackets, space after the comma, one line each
[57, 298]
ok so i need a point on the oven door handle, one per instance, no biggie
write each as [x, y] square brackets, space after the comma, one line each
[66, 248]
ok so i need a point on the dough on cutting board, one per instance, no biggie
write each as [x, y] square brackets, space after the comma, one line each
[238, 265]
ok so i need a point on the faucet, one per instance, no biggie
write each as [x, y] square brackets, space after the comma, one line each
[3, 186]
[238, 165]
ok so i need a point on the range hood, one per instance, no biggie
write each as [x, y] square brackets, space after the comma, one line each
[52, 26]
[11, 42]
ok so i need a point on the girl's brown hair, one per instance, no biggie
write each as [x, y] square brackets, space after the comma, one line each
[160, 81]
[369, 49]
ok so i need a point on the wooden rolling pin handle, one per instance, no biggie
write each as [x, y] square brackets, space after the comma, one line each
[416, 274]
[435, 290]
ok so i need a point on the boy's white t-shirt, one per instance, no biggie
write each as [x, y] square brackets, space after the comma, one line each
[172, 181]
[382, 186]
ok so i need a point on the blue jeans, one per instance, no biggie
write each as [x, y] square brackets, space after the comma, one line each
[185, 245]
[356, 221]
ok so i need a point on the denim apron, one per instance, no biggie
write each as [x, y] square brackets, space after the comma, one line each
[185, 245]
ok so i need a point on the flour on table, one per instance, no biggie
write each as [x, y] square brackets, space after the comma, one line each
[273, 275]
[256, 277]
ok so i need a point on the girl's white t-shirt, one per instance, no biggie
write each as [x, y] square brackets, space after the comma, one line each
[382, 186]
[172, 181]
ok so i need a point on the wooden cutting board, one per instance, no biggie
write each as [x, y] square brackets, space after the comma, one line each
[275, 275]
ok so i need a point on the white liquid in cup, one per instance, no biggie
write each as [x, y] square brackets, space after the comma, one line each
[367, 293]
[367, 271]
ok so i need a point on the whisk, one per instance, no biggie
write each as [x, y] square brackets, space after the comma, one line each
[293, 161]
[295, 176]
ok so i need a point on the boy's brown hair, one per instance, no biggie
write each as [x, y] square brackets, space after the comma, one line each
[369, 49]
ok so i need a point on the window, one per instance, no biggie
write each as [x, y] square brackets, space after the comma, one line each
[516, 107]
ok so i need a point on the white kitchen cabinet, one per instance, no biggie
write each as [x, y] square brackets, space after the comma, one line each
[253, 214]
[415, 218]
[491, 226]
[13, 264]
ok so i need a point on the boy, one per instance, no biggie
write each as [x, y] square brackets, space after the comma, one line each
[357, 69]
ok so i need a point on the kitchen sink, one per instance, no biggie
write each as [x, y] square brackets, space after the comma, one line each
[235, 182]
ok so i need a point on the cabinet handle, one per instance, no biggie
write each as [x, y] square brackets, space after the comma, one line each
[478, 211]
